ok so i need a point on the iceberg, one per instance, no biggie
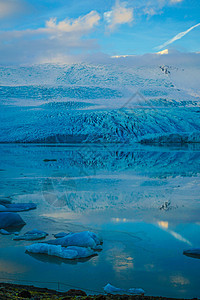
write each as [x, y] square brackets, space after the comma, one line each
[71, 252]
[31, 235]
[110, 289]
[80, 239]
[10, 219]
[195, 252]
[17, 207]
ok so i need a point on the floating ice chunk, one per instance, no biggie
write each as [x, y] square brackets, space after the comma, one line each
[136, 291]
[17, 207]
[60, 235]
[110, 289]
[32, 235]
[36, 231]
[10, 219]
[71, 252]
[4, 232]
[195, 252]
[80, 239]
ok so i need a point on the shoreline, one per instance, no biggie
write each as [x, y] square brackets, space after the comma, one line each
[18, 291]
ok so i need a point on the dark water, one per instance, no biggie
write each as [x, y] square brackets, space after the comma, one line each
[119, 192]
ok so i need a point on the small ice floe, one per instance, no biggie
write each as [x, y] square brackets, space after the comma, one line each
[195, 252]
[80, 239]
[31, 235]
[60, 235]
[10, 219]
[17, 207]
[71, 252]
[4, 232]
[110, 289]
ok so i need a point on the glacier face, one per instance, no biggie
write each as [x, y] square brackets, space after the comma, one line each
[111, 103]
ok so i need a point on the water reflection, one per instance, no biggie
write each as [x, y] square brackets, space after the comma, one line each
[176, 235]
[57, 260]
[121, 260]
[116, 191]
[163, 224]
[179, 280]
[8, 267]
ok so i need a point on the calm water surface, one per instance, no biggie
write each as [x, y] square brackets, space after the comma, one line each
[119, 192]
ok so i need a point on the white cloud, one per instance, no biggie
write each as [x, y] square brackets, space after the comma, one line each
[55, 42]
[81, 24]
[150, 11]
[155, 7]
[177, 37]
[119, 15]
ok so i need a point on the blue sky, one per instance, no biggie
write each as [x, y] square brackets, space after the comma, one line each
[62, 30]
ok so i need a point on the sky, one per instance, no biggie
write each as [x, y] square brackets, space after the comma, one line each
[40, 31]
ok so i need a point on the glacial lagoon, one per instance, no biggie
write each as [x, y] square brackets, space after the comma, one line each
[142, 200]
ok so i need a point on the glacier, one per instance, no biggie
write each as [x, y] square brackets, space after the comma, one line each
[104, 103]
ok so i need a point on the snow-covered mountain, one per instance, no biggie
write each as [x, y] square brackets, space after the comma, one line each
[91, 103]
